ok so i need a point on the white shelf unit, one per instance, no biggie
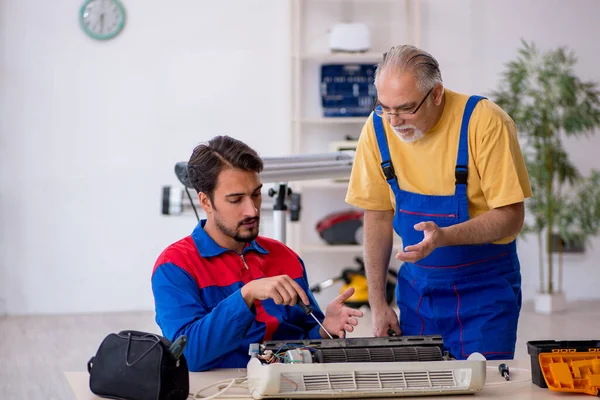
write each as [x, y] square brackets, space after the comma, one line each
[390, 22]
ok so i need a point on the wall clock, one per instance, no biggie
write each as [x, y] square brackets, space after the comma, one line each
[102, 19]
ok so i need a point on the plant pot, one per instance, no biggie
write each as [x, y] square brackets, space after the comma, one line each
[550, 303]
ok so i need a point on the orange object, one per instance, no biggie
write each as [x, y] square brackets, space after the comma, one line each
[570, 371]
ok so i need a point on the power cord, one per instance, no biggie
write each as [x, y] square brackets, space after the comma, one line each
[505, 382]
[222, 387]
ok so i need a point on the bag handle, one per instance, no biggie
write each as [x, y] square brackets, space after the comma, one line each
[130, 364]
[137, 333]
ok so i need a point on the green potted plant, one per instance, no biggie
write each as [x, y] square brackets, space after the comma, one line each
[548, 102]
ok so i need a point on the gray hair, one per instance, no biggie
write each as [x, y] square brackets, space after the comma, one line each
[405, 58]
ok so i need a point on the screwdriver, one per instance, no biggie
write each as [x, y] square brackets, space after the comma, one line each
[503, 369]
[308, 311]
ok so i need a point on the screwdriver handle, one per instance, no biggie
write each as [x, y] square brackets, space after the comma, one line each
[503, 369]
[307, 309]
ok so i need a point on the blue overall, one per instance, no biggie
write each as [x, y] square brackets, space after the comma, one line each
[471, 295]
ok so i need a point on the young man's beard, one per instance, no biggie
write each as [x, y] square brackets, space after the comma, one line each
[237, 236]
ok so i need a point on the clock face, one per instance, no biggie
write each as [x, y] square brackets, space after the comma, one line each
[102, 19]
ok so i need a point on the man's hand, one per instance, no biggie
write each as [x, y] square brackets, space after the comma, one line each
[432, 239]
[282, 289]
[384, 318]
[340, 318]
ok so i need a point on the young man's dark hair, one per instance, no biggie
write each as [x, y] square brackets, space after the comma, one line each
[220, 152]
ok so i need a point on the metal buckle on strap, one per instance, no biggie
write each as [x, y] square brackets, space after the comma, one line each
[461, 174]
[388, 170]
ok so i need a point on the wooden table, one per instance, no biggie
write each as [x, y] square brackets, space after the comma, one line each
[519, 388]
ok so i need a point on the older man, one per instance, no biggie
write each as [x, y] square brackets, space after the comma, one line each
[445, 171]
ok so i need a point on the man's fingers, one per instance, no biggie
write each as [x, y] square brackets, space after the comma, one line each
[383, 320]
[397, 330]
[274, 294]
[414, 247]
[298, 289]
[345, 295]
[352, 321]
[285, 290]
[286, 298]
[400, 255]
[290, 292]
[422, 226]
[355, 313]
[407, 257]
[379, 332]
[348, 328]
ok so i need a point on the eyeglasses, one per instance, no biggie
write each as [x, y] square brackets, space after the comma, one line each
[379, 110]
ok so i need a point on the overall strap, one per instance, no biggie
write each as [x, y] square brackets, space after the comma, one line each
[386, 161]
[462, 159]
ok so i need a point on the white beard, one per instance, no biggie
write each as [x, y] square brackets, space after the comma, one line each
[412, 135]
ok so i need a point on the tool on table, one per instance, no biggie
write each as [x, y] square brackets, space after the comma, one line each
[177, 346]
[503, 368]
[308, 310]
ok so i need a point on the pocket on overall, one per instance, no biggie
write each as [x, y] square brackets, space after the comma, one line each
[406, 219]
[513, 282]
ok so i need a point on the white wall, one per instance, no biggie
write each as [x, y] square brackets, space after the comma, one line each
[473, 39]
[90, 132]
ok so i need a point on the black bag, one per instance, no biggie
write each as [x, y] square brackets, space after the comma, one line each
[135, 365]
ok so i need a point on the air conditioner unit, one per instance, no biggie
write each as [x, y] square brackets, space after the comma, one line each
[361, 367]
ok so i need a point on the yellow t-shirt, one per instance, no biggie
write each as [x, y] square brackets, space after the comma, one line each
[497, 173]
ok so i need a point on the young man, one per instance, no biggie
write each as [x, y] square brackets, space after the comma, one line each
[445, 171]
[226, 287]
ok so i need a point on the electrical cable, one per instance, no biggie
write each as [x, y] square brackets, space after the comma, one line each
[223, 386]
